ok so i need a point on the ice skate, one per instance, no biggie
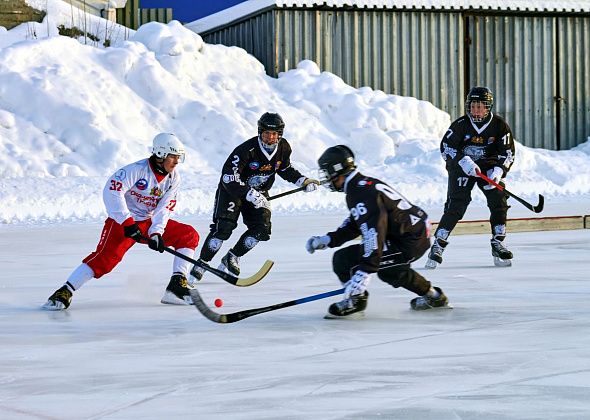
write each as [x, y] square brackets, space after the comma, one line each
[177, 292]
[197, 272]
[351, 308]
[502, 256]
[435, 254]
[422, 303]
[59, 300]
[230, 263]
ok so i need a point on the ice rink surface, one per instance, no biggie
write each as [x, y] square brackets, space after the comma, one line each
[515, 346]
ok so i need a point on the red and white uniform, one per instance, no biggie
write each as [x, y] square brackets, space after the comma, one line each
[138, 194]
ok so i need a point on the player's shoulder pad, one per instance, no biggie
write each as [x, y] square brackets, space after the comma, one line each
[363, 185]
[284, 144]
[245, 147]
[461, 121]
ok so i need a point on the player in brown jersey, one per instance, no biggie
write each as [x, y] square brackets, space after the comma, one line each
[394, 233]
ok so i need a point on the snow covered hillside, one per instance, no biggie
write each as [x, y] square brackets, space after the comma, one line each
[71, 114]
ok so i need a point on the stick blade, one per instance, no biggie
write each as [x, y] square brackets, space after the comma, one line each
[256, 277]
[205, 310]
[539, 207]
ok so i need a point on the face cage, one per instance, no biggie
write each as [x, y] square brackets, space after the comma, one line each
[487, 105]
[269, 147]
[261, 130]
[327, 180]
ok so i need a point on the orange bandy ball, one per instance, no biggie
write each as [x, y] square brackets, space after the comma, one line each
[218, 303]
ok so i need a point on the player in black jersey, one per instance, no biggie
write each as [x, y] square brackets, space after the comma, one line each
[247, 175]
[477, 142]
[394, 233]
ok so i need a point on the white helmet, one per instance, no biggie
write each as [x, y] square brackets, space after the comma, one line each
[167, 144]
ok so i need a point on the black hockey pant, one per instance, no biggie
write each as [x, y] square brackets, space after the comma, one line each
[459, 196]
[226, 212]
[394, 267]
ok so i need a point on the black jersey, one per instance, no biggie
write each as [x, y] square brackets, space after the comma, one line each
[381, 215]
[250, 166]
[488, 146]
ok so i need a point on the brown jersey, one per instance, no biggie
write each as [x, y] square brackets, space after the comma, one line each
[381, 215]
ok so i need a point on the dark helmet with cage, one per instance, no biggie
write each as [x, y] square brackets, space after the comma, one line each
[271, 122]
[483, 95]
[335, 161]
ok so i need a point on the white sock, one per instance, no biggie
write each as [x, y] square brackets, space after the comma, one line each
[181, 266]
[432, 293]
[79, 276]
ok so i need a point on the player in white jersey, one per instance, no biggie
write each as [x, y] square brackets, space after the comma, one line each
[139, 199]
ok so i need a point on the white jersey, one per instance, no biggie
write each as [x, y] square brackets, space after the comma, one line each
[134, 191]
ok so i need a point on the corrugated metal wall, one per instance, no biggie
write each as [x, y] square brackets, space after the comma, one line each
[515, 57]
[255, 35]
[385, 50]
[574, 80]
[527, 61]
[162, 15]
[129, 15]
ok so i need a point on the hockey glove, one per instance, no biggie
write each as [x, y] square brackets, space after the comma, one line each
[156, 242]
[317, 242]
[133, 232]
[357, 284]
[495, 174]
[257, 199]
[310, 184]
[469, 166]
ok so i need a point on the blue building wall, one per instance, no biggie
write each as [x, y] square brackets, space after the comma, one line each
[189, 10]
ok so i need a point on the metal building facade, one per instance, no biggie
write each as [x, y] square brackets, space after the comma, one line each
[385, 50]
[536, 64]
[573, 98]
[515, 57]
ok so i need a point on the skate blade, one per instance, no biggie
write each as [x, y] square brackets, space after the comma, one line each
[432, 308]
[194, 280]
[499, 262]
[170, 298]
[226, 270]
[356, 315]
[430, 264]
[51, 306]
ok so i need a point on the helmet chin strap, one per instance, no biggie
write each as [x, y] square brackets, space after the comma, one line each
[481, 121]
[268, 147]
[158, 165]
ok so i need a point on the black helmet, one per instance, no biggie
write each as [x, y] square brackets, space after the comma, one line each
[335, 161]
[271, 122]
[483, 95]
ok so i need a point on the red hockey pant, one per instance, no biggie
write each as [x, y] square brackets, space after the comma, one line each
[114, 244]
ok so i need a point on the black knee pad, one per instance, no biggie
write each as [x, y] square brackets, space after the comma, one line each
[260, 232]
[223, 228]
[458, 208]
[344, 261]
